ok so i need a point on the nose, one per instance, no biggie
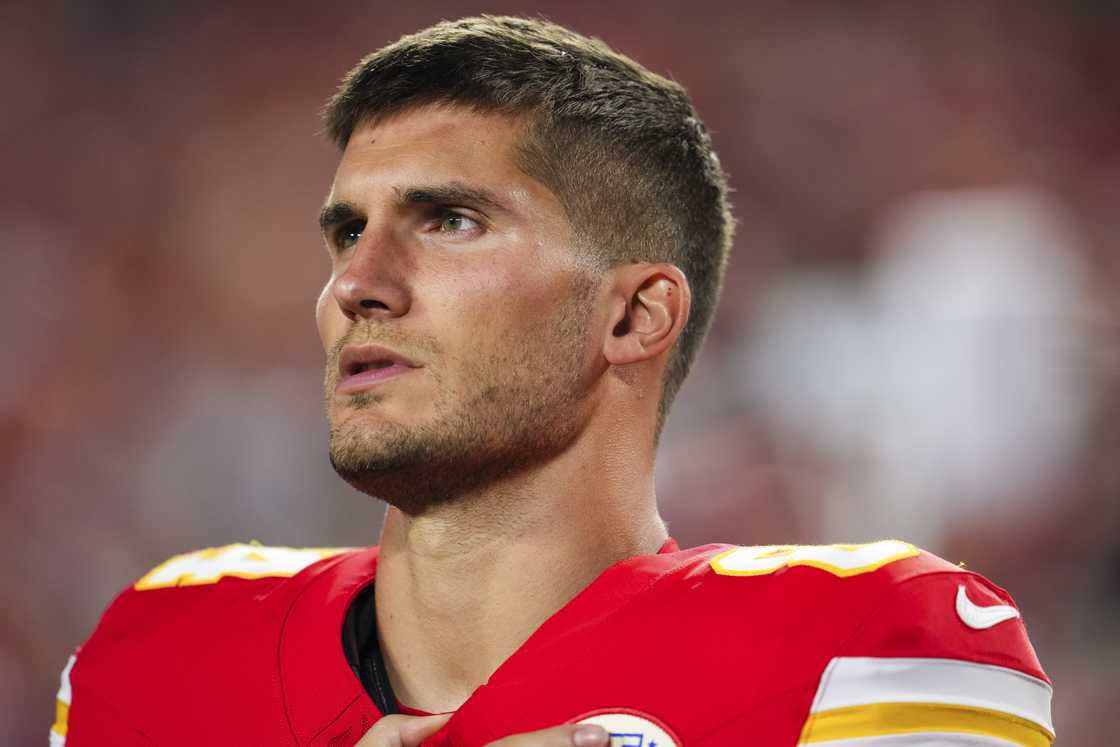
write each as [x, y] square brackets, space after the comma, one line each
[371, 286]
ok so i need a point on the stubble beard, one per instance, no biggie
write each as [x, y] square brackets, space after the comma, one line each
[517, 406]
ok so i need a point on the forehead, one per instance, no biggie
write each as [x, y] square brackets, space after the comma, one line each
[435, 144]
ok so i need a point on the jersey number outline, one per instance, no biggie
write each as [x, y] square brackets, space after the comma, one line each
[247, 561]
[839, 560]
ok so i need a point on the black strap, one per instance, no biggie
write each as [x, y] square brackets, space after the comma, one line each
[359, 642]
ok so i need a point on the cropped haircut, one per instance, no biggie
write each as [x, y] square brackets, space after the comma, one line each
[621, 148]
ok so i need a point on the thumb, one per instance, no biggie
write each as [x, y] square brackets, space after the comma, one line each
[403, 731]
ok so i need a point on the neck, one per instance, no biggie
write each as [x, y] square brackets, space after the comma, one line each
[460, 588]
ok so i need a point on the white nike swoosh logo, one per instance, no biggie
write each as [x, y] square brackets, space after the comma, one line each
[982, 618]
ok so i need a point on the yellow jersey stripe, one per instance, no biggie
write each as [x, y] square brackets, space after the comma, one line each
[61, 718]
[879, 719]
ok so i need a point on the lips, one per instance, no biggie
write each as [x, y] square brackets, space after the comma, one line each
[362, 366]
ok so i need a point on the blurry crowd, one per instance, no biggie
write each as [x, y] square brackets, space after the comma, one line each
[919, 334]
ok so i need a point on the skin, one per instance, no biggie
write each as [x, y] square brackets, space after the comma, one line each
[411, 731]
[517, 459]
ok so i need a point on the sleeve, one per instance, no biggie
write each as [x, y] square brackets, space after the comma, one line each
[944, 660]
[82, 719]
[62, 706]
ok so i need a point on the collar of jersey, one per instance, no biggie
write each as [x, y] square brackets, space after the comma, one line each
[320, 690]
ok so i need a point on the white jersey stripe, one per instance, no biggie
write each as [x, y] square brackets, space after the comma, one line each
[854, 681]
[64, 683]
[62, 707]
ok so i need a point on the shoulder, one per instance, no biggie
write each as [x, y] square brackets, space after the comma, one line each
[179, 594]
[847, 578]
[888, 597]
[890, 635]
[244, 583]
[856, 578]
[215, 610]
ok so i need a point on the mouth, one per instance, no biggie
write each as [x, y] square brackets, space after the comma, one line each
[363, 366]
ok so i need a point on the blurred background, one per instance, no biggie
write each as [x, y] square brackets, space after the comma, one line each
[919, 336]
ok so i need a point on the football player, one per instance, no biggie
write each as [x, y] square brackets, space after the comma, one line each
[527, 234]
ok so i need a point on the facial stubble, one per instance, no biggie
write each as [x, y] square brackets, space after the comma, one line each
[515, 406]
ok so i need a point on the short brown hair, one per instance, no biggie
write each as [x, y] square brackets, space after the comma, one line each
[621, 147]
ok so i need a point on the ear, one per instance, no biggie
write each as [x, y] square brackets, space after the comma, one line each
[648, 310]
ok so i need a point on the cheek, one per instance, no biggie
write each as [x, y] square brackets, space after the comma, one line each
[496, 303]
[325, 312]
[513, 319]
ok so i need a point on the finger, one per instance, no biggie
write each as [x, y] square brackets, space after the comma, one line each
[568, 735]
[403, 731]
[416, 730]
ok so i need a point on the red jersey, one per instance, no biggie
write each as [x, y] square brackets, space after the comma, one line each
[717, 645]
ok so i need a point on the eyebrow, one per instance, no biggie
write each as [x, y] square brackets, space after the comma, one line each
[451, 193]
[334, 214]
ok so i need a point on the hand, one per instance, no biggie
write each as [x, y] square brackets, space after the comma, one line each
[567, 735]
[402, 731]
[410, 731]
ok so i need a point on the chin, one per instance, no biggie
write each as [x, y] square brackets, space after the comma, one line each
[407, 486]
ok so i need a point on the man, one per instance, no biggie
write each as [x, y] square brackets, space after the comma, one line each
[527, 234]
